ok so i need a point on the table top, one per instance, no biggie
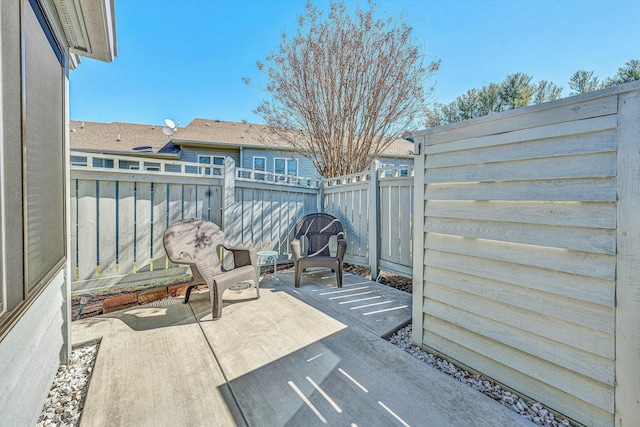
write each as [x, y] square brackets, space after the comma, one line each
[268, 253]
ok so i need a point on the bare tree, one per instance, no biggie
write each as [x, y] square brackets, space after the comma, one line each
[345, 87]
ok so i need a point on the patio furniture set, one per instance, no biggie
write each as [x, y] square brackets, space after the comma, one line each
[199, 244]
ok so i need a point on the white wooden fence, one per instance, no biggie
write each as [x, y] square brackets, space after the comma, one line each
[122, 205]
[527, 251]
[375, 208]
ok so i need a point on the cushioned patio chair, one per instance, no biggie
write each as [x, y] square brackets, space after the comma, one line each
[195, 242]
[316, 230]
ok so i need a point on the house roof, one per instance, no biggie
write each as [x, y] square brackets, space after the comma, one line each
[136, 138]
[117, 137]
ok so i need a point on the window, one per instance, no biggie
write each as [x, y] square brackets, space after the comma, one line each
[78, 161]
[259, 164]
[211, 160]
[103, 163]
[285, 166]
[33, 158]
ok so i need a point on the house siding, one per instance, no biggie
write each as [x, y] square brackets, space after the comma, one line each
[305, 166]
[189, 154]
[396, 161]
[30, 355]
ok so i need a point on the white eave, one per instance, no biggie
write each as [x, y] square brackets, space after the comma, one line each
[89, 27]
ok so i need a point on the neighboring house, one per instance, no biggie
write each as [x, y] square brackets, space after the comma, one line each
[39, 41]
[208, 142]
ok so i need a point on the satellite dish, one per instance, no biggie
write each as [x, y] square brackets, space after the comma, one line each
[170, 127]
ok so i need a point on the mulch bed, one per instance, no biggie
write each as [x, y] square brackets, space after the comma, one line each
[392, 280]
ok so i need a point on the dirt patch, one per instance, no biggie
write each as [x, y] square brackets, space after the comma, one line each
[392, 280]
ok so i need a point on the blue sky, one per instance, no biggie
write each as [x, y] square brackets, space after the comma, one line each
[183, 59]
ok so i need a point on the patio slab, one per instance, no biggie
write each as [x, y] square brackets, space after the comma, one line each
[376, 307]
[293, 357]
[154, 368]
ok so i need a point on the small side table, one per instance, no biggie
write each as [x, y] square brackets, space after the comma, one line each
[266, 257]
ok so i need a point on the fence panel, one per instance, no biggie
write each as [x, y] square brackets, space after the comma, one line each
[348, 199]
[396, 220]
[269, 213]
[516, 272]
[120, 217]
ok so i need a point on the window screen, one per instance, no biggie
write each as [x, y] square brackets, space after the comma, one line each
[43, 139]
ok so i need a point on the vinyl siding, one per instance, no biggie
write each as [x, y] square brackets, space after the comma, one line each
[188, 154]
[305, 166]
[30, 355]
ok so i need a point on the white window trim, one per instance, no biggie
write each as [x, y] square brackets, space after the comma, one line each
[286, 165]
[211, 159]
[254, 158]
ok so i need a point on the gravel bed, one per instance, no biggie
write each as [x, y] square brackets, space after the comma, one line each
[533, 411]
[65, 401]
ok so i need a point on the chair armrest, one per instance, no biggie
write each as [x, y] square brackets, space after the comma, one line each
[342, 249]
[243, 256]
[185, 258]
[295, 249]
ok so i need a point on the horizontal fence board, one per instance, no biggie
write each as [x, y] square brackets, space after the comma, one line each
[576, 238]
[598, 317]
[103, 174]
[564, 167]
[567, 110]
[401, 269]
[581, 288]
[571, 334]
[588, 366]
[540, 136]
[583, 388]
[271, 185]
[563, 213]
[587, 189]
[568, 261]
[342, 188]
[562, 145]
[554, 398]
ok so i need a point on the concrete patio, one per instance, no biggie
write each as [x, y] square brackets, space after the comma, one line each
[295, 357]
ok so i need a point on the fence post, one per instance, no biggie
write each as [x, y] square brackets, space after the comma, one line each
[231, 216]
[374, 220]
[418, 241]
[627, 405]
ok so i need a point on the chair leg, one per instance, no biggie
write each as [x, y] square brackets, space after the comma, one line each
[216, 304]
[339, 275]
[187, 294]
[297, 274]
[257, 280]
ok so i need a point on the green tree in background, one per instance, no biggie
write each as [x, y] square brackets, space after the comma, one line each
[628, 73]
[584, 81]
[515, 91]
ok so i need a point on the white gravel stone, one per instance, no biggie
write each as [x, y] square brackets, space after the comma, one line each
[533, 411]
[64, 403]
